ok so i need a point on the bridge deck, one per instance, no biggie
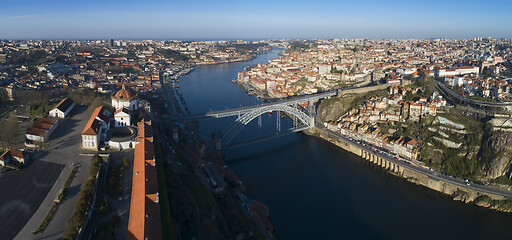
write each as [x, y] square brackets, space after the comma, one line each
[237, 111]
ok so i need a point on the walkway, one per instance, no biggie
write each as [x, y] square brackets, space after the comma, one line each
[63, 148]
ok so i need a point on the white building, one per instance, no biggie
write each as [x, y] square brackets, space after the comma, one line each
[95, 130]
[406, 70]
[62, 109]
[124, 99]
[324, 68]
[12, 156]
[40, 131]
[457, 71]
[122, 117]
[454, 81]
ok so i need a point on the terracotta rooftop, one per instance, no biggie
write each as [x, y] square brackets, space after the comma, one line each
[103, 113]
[144, 221]
[64, 104]
[123, 93]
[125, 110]
[145, 131]
[42, 125]
[35, 131]
[47, 120]
[93, 125]
[11, 152]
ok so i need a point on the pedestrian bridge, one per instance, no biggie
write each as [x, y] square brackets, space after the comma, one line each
[245, 115]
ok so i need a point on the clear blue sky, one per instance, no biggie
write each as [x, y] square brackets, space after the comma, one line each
[262, 19]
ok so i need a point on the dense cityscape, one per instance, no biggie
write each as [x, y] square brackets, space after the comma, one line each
[268, 120]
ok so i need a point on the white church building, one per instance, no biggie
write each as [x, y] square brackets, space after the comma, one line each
[124, 99]
[122, 117]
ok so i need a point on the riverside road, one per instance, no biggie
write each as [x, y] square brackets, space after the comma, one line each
[430, 173]
[315, 190]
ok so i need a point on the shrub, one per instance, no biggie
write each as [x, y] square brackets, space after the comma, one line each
[84, 201]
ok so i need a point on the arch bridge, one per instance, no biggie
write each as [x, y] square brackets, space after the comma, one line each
[245, 115]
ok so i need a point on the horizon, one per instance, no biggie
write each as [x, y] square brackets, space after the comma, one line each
[327, 19]
[251, 40]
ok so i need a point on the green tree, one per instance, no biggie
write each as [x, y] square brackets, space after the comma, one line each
[9, 129]
[125, 162]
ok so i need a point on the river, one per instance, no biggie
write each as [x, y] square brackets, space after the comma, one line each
[315, 190]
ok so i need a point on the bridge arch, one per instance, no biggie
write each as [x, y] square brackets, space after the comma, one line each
[300, 115]
[244, 119]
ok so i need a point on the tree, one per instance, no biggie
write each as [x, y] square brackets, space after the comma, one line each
[9, 129]
[125, 162]
[4, 97]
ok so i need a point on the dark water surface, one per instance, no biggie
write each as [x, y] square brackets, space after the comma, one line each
[316, 190]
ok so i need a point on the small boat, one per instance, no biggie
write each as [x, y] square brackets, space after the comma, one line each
[233, 81]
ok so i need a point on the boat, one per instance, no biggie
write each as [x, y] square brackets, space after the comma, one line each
[233, 81]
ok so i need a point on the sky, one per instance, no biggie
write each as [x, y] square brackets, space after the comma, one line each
[252, 20]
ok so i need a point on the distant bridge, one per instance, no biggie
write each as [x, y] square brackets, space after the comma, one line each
[246, 114]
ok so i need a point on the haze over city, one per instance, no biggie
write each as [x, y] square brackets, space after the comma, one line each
[197, 20]
[237, 119]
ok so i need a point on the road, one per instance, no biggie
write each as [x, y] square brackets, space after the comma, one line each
[238, 111]
[430, 173]
[452, 93]
[22, 192]
[63, 148]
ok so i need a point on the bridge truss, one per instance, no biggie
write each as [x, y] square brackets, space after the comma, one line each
[303, 118]
[230, 132]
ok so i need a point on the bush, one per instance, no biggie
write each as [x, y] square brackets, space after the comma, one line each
[95, 166]
[84, 201]
[125, 162]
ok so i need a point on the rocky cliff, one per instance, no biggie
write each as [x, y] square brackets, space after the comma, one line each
[331, 109]
[496, 154]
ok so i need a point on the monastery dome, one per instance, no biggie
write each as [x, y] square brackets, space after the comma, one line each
[123, 94]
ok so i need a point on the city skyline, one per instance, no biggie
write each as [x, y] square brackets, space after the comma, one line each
[204, 20]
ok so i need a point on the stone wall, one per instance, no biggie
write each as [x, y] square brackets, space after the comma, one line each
[371, 88]
[457, 192]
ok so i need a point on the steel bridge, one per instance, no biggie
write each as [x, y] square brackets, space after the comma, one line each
[245, 115]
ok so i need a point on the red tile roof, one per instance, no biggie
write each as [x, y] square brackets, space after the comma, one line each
[93, 125]
[47, 120]
[45, 126]
[123, 94]
[144, 221]
[64, 104]
[125, 110]
[11, 153]
[36, 131]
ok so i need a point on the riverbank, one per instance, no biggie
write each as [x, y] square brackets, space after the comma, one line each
[208, 182]
[314, 189]
[459, 192]
[227, 61]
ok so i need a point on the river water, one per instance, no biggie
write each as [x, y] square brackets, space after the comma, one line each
[315, 190]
